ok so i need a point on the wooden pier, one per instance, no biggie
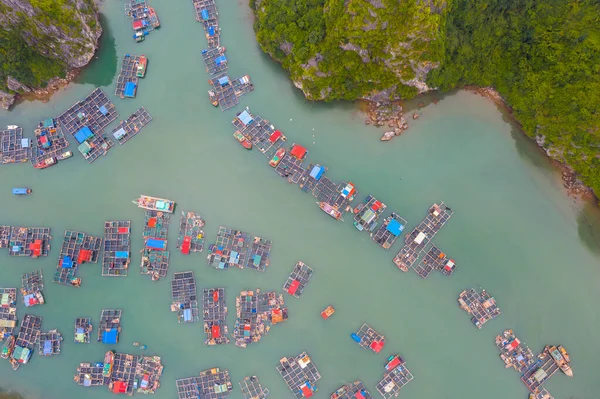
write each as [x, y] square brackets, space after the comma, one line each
[367, 214]
[210, 384]
[50, 141]
[49, 343]
[77, 248]
[90, 375]
[256, 312]
[130, 127]
[387, 234]
[191, 235]
[29, 333]
[8, 312]
[155, 257]
[480, 305]
[86, 121]
[14, 147]
[235, 248]
[109, 326]
[32, 285]
[117, 248]
[300, 375]
[434, 259]
[395, 377]
[214, 310]
[298, 278]
[215, 60]
[368, 338]
[82, 331]
[252, 389]
[184, 297]
[353, 390]
[29, 241]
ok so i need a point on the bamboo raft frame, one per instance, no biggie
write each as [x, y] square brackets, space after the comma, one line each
[239, 249]
[215, 314]
[23, 237]
[127, 74]
[256, 312]
[86, 325]
[184, 296]
[109, 319]
[384, 238]
[117, 239]
[434, 259]
[252, 388]
[56, 137]
[301, 273]
[11, 149]
[209, 56]
[74, 242]
[205, 385]
[394, 380]
[351, 391]
[480, 305]
[4, 236]
[132, 125]
[190, 225]
[295, 375]
[368, 335]
[32, 283]
[54, 337]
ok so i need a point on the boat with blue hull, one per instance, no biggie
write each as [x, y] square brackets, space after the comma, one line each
[21, 191]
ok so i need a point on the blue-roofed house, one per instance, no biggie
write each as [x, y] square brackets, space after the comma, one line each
[110, 337]
[103, 110]
[83, 134]
[220, 60]
[223, 81]
[245, 118]
[130, 89]
[317, 171]
[394, 227]
[67, 262]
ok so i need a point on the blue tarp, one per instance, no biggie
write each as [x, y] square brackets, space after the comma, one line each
[83, 134]
[204, 14]
[27, 298]
[211, 31]
[103, 110]
[187, 315]
[224, 80]
[317, 172]
[110, 337]
[67, 262]
[47, 348]
[234, 257]
[19, 191]
[121, 254]
[79, 330]
[49, 122]
[394, 227]
[221, 59]
[245, 118]
[130, 89]
[155, 243]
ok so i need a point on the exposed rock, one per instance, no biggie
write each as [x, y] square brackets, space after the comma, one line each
[387, 136]
[416, 116]
[6, 100]
[14, 85]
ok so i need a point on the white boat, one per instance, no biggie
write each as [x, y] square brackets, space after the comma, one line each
[155, 204]
[12, 127]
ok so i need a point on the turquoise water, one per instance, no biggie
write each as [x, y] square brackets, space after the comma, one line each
[514, 231]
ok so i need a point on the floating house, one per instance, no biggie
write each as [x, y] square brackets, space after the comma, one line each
[367, 214]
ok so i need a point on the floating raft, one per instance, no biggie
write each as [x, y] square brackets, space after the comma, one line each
[123, 375]
[4, 236]
[26, 340]
[8, 312]
[149, 369]
[387, 234]
[435, 259]
[513, 352]
[210, 384]
[228, 91]
[206, 10]
[355, 390]
[325, 190]
[32, 285]
[368, 338]
[298, 278]
[127, 80]
[395, 377]
[49, 343]
[290, 167]
[184, 298]
[117, 248]
[155, 257]
[86, 121]
[239, 249]
[109, 326]
[263, 136]
[130, 127]
[252, 389]
[191, 235]
[50, 141]
[215, 60]
[77, 248]
[256, 312]
[311, 177]
[29, 241]
[90, 375]
[480, 305]
[300, 375]
[144, 18]
[14, 148]
[346, 192]
[415, 242]
[367, 214]
[214, 312]
[539, 372]
[83, 329]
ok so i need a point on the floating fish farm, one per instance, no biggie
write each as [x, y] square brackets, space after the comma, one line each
[50, 141]
[83, 329]
[395, 377]
[184, 297]
[210, 384]
[117, 248]
[49, 343]
[14, 148]
[300, 375]
[480, 305]
[434, 259]
[191, 235]
[29, 241]
[368, 338]
[297, 280]
[252, 389]
[25, 343]
[355, 390]
[256, 312]
[8, 312]
[215, 60]
[77, 248]
[130, 127]
[32, 285]
[236, 248]
[214, 311]
[513, 352]
[155, 257]
[109, 326]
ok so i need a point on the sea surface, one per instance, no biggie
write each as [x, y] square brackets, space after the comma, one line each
[514, 232]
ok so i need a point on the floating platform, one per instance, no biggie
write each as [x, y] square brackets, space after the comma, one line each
[263, 136]
[206, 10]
[355, 390]
[184, 297]
[127, 80]
[228, 91]
[300, 375]
[252, 389]
[387, 234]
[345, 194]
[149, 370]
[77, 248]
[367, 214]
[117, 248]
[210, 384]
[82, 331]
[144, 18]
[86, 121]
[215, 60]
[298, 278]
[513, 352]
[395, 377]
[109, 326]
[191, 235]
[311, 177]
[4, 236]
[480, 305]
[434, 259]
[32, 285]
[368, 338]
[256, 312]
[325, 190]
[49, 343]
[130, 127]
[25, 343]
[8, 312]
[123, 375]
[90, 375]
[155, 257]
[538, 373]
[235, 248]
[214, 310]
[14, 148]
[415, 242]
[29, 241]
[50, 142]
[290, 167]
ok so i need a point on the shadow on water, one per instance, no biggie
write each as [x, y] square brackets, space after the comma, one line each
[103, 68]
[9, 395]
[588, 227]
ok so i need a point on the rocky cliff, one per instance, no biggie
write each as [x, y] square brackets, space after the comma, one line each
[43, 39]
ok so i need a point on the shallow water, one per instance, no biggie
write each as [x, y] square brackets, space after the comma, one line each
[514, 230]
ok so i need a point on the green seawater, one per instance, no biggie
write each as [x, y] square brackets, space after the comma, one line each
[514, 231]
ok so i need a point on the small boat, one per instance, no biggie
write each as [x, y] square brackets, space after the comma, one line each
[560, 361]
[141, 67]
[136, 344]
[7, 348]
[331, 211]
[155, 204]
[153, 18]
[393, 362]
[45, 163]
[327, 312]
[64, 155]
[109, 359]
[277, 157]
[14, 363]
[213, 98]
[21, 191]
[564, 353]
[12, 127]
[243, 140]
[139, 36]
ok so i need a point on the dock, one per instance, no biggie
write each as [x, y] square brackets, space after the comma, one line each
[25, 343]
[480, 305]
[354, 390]
[49, 343]
[90, 375]
[50, 142]
[29, 241]
[367, 214]
[434, 259]
[236, 248]
[127, 81]
[368, 338]
[117, 248]
[144, 18]
[8, 312]
[215, 60]
[210, 384]
[4, 236]
[513, 352]
[300, 375]
[123, 375]
[387, 234]
[256, 312]
[82, 331]
[214, 311]
[155, 257]
[109, 326]
[184, 297]
[77, 249]
[252, 389]
[298, 278]
[395, 377]
[32, 285]
[86, 121]
[191, 235]
[228, 91]
[14, 147]
[415, 242]
[130, 127]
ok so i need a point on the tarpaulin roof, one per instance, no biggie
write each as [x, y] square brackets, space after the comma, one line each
[246, 119]
[156, 243]
[137, 24]
[216, 331]
[103, 110]
[317, 171]
[119, 387]
[221, 59]
[121, 254]
[211, 31]
[83, 134]
[377, 346]
[275, 136]
[47, 347]
[376, 205]
[298, 151]
[394, 227]
[130, 89]
[49, 122]
[119, 133]
[25, 142]
[67, 262]
[293, 287]
[85, 255]
[215, 296]
[187, 314]
[185, 247]
[123, 230]
[110, 337]
[204, 14]
[224, 80]
[36, 247]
